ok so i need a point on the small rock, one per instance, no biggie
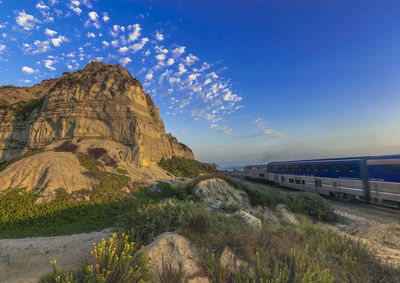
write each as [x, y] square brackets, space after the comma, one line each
[249, 219]
[286, 216]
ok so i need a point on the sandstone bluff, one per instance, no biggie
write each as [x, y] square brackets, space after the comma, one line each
[99, 107]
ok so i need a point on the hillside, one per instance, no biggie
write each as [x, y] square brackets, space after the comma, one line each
[99, 112]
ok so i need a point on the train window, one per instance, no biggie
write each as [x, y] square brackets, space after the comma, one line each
[344, 168]
[261, 175]
[282, 179]
[321, 167]
[391, 168]
[334, 184]
[291, 181]
[303, 182]
[333, 168]
[313, 167]
[297, 182]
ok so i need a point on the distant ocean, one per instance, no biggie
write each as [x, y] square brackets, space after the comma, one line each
[231, 168]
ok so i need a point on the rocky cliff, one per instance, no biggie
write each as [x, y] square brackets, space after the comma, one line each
[100, 105]
[102, 101]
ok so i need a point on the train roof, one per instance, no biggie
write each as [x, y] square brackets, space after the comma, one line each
[339, 159]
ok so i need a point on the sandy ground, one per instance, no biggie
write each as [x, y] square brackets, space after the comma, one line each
[25, 260]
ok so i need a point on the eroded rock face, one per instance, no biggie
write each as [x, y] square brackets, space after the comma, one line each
[102, 101]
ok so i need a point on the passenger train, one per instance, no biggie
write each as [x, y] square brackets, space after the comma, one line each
[373, 179]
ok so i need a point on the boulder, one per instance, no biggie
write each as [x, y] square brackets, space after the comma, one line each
[249, 219]
[285, 215]
[177, 250]
[214, 192]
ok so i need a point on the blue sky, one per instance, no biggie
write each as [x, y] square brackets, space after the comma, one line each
[237, 81]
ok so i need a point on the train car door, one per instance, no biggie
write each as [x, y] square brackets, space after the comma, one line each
[318, 184]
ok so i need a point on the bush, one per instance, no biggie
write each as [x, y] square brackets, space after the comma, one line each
[266, 197]
[310, 204]
[180, 190]
[184, 167]
[153, 219]
[230, 207]
[24, 109]
[116, 261]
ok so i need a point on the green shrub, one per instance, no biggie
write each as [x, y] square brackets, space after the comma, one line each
[230, 207]
[197, 222]
[179, 190]
[295, 269]
[184, 167]
[153, 219]
[22, 216]
[266, 197]
[310, 204]
[23, 110]
[117, 260]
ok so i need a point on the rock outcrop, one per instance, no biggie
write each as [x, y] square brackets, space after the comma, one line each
[100, 106]
[217, 193]
[102, 101]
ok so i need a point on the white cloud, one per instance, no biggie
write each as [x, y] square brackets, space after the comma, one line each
[149, 75]
[182, 69]
[193, 77]
[207, 81]
[71, 55]
[114, 43]
[41, 6]
[2, 48]
[105, 43]
[57, 41]
[178, 51]
[93, 16]
[224, 129]
[138, 46]
[49, 64]
[41, 46]
[170, 61]
[2, 25]
[160, 57]
[125, 61]
[231, 97]
[70, 67]
[191, 59]
[134, 35]
[93, 19]
[27, 70]
[123, 50]
[50, 32]
[25, 20]
[173, 80]
[90, 35]
[159, 36]
[74, 6]
[26, 81]
[106, 18]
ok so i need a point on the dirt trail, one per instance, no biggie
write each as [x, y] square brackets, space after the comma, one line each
[25, 260]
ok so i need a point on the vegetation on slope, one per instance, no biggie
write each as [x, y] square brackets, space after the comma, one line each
[307, 252]
[187, 168]
[24, 109]
[276, 253]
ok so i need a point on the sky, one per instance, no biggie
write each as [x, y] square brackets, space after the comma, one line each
[239, 82]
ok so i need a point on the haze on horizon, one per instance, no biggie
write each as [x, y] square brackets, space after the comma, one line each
[239, 82]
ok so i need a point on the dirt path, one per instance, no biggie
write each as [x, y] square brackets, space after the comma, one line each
[25, 260]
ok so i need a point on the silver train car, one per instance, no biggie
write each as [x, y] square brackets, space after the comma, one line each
[371, 179]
